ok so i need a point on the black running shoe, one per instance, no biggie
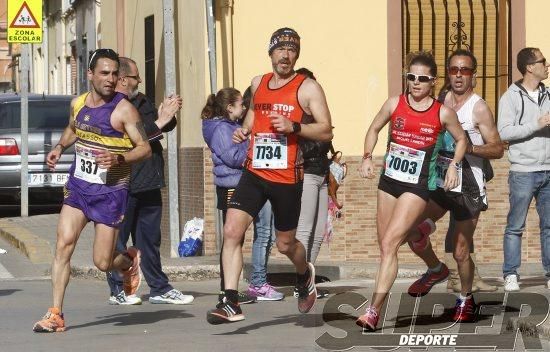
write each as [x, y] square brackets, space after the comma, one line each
[225, 312]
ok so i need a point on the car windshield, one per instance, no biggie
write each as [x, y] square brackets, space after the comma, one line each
[42, 114]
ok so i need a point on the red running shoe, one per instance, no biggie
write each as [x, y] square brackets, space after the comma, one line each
[132, 277]
[465, 310]
[369, 320]
[423, 285]
[307, 292]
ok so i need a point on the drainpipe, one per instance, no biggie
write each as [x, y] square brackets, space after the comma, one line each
[226, 7]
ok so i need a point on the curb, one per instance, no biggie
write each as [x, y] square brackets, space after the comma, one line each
[35, 248]
[174, 273]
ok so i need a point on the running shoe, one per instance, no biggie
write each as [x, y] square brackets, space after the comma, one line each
[243, 297]
[511, 283]
[225, 312]
[307, 293]
[53, 321]
[465, 310]
[132, 276]
[423, 285]
[172, 297]
[321, 293]
[266, 292]
[123, 300]
[369, 320]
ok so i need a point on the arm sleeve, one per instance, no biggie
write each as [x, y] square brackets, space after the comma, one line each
[507, 127]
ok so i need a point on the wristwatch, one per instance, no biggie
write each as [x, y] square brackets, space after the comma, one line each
[296, 127]
[120, 159]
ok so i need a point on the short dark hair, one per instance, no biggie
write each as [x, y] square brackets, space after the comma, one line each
[102, 53]
[424, 58]
[525, 57]
[463, 52]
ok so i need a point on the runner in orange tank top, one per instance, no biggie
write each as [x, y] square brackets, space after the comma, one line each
[272, 171]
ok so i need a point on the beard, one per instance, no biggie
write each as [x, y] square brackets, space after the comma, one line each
[133, 93]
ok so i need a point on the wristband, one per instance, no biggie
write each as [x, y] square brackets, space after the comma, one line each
[296, 127]
[367, 155]
[62, 146]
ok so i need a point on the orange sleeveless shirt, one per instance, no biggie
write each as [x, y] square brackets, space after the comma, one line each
[266, 153]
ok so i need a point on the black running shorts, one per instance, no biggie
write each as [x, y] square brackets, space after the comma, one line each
[253, 191]
[396, 189]
[463, 207]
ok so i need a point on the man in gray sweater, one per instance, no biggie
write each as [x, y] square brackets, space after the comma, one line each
[523, 121]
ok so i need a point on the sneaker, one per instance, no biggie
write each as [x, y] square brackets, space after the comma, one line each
[244, 298]
[172, 297]
[548, 284]
[225, 312]
[132, 276]
[53, 321]
[321, 293]
[423, 285]
[307, 294]
[465, 310]
[511, 283]
[266, 292]
[369, 320]
[426, 228]
[123, 300]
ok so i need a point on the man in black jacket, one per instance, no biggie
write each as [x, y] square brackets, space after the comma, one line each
[144, 212]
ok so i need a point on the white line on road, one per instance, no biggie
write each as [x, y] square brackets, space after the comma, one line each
[4, 273]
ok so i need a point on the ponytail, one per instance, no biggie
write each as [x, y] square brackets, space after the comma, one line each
[216, 105]
[208, 110]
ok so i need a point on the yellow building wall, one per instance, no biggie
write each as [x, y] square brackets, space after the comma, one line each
[344, 43]
[536, 15]
[191, 54]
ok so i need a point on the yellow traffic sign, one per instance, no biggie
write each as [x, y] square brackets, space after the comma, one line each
[24, 21]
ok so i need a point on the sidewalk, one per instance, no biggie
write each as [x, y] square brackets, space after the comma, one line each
[35, 237]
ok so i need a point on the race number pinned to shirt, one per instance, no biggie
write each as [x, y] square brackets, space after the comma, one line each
[86, 168]
[441, 166]
[403, 163]
[270, 151]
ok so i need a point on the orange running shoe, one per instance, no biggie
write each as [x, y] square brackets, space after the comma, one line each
[132, 276]
[53, 321]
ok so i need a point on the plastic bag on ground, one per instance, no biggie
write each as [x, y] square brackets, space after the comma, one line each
[191, 240]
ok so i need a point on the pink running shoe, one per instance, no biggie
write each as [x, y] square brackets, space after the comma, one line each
[369, 320]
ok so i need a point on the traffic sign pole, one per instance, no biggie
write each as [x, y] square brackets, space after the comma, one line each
[24, 61]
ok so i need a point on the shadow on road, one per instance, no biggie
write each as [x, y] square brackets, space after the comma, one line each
[136, 318]
[302, 320]
[8, 292]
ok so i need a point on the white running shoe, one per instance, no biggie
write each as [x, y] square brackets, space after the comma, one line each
[122, 299]
[511, 283]
[548, 284]
[172, 297]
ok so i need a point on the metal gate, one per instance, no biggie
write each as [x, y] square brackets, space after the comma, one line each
[481, 26]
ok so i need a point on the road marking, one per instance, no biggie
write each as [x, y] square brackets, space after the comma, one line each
[4, 273]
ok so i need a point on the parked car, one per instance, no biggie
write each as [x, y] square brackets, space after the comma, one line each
[48, 117]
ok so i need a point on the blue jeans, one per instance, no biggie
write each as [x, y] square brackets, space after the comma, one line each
[523, 187]
[264, 236]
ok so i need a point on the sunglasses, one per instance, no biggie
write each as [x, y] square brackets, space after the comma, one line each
[420, 78]
[465, 71]
[541, 61]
